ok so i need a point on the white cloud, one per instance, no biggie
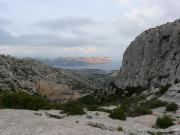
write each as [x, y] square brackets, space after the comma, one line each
[142, 14]
[86, 50]
[82, 35]
[122, 1]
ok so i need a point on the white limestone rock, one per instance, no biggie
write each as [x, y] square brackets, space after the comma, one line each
[153, 58]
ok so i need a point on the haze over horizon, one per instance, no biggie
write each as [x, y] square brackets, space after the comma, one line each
[65, 28]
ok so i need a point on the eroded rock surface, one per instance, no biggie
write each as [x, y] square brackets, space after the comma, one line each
[25, 122]
[153, 58]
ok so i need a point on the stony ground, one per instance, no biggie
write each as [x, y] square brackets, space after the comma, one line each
[25, 122]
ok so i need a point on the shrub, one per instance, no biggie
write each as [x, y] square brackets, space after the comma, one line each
[164, 89]
[176, 81]
[172, 107]
[164, 122]
[133, 90]
[119, 129]
[88, 100]
[22, 100]
[73, 108]
[92, 107]
[154, 103]
[118, 113]
[139, 110]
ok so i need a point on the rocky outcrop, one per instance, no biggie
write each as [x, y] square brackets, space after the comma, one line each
[55, 92]
[37, 78]
[153, 58]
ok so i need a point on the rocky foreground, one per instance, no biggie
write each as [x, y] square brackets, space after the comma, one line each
[25, 122]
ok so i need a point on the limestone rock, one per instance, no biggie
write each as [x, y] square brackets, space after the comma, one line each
[153, 58]
[56, 92]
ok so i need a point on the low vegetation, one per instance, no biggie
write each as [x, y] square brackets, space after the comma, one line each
[130, 99]
[73, 108]
[172, 107]
[22, 100]
[176, 81]
[139, 110]
[133, 90]
[119, 129]
[164, 122]
[164, 89]
[118, 113]
[154, 103]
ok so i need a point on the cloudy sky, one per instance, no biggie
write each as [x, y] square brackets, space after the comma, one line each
[53, 28]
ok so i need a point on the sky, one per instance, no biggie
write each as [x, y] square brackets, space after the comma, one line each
[62, 28]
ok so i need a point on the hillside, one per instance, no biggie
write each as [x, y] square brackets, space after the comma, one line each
[37, 78]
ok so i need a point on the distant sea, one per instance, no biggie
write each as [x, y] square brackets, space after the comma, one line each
[107, 67]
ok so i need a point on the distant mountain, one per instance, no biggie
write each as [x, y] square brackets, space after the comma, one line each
[76, 61]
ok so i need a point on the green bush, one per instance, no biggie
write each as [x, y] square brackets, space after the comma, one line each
[92, 107]
[139, 110]
[164, 89]
[88, 100]
[133, 90]
[176, 81]
[118, 113]
[164, 122]
[172, 107]
[73, 108]
[22, 100]
[119, 129]
[154, 103]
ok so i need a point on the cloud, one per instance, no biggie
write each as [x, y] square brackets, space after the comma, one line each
[65, 23]
[3, 5]
[122, 1]
[45, 51]
[86, 50]
[4, 22]
[6, 38]
[107, 35]
[140, 15]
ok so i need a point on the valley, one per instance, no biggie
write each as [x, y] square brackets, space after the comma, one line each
[141, 98]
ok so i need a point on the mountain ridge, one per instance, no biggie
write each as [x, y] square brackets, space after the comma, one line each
[75, 61]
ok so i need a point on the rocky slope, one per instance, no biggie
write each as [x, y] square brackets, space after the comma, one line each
[153, 58]
[37, 78]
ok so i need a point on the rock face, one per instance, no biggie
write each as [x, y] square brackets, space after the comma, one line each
[153, 58]
[37, 78]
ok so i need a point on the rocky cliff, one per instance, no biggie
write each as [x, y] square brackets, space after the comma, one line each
[153, 58]
[37, 78]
